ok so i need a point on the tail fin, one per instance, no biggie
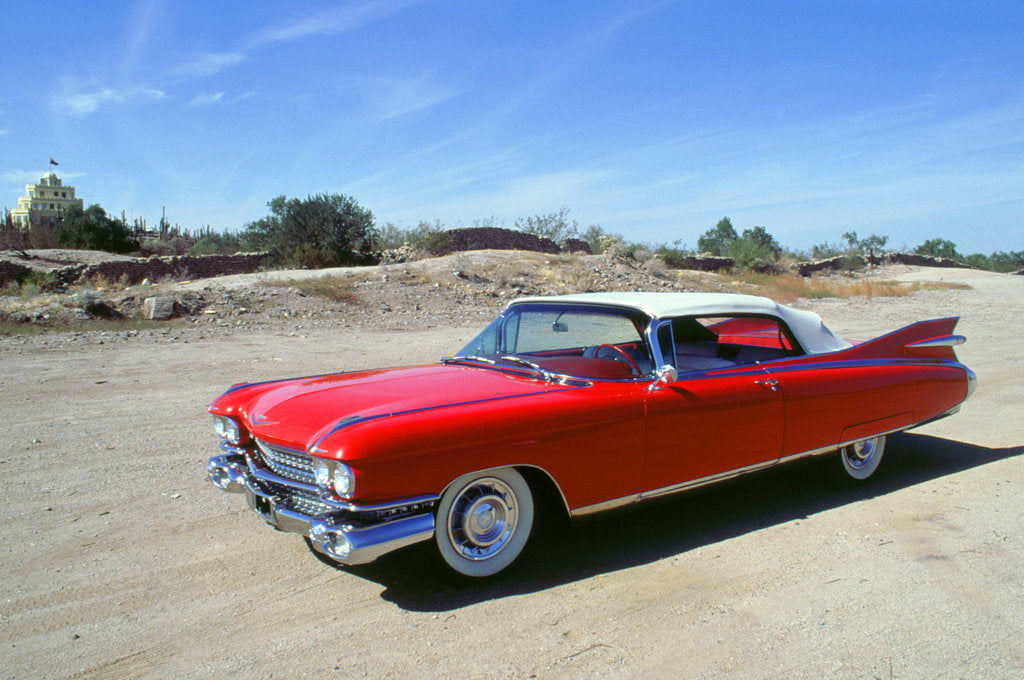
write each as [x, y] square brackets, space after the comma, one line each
[926, 339]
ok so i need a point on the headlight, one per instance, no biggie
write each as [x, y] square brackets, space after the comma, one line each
[337, 476]
[344, 481]
[323, 473]
[227, 428]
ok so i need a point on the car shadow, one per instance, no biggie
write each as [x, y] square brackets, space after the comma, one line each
[414, 579]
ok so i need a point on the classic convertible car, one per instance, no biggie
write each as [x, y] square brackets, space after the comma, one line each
[597, 400]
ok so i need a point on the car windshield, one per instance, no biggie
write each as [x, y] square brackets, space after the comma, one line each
[574, 340]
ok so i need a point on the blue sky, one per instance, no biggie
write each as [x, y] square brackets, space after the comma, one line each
[651, 119]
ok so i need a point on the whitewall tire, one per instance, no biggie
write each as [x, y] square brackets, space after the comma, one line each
[483, 521]
[861, 459]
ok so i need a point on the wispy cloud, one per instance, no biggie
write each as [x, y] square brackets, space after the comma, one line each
[208, 64]
[82, 103]
[142, 22]
[3, 132]
[393, 97]
[206, 98]
[327, 22]
[330, 21]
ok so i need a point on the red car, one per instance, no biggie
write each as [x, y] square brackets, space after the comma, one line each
[598, 400]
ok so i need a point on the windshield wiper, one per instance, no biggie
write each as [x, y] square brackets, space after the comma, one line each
[512, 359]
[448, 360]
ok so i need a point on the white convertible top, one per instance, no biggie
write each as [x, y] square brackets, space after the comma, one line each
[810, 331]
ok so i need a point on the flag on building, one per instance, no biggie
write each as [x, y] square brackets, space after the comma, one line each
[53, 162]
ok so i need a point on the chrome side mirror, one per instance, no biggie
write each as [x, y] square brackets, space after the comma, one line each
[665, 375]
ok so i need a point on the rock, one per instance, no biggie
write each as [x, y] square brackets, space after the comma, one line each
[161, 307]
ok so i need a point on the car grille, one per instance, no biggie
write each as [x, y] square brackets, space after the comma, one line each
[300, 500]
[288, 464]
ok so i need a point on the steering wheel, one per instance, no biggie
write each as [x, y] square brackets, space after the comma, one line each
[621, 352]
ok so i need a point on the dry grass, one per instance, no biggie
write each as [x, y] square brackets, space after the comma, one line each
[337, 288]
[789, 287]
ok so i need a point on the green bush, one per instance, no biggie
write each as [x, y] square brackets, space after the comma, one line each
[325, 230]
[216, 244]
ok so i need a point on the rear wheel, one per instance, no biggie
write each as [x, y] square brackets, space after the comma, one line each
[483, 521]
[861, 459]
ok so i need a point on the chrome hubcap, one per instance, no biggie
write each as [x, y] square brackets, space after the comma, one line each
[482, 519]
[860, 454]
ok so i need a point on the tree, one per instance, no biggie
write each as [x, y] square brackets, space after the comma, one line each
[939, 247]
[716, 241]
[92, 229]
[859, 247]
[873, 243]
[324, 230]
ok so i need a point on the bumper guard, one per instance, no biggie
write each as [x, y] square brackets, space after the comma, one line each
[344, 535]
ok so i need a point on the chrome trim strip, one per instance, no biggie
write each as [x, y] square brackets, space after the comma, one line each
[605, 505]
[693, 483]
[233, 448]
[415, 500]
[857, 363]
[955, 409]
[315, 448]
[944, 341]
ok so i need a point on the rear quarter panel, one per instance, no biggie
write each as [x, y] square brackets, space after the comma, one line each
[862, 399]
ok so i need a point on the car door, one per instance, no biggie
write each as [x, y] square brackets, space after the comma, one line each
[709, 426]
[715, 420]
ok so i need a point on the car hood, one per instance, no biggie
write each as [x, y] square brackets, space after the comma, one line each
[300, 412]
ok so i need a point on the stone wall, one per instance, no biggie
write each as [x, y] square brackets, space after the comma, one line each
[575, 245]
[496, 238]
[12, 271]
[831, 264]
[844, 262]
[703, 263]
[921, 260]
[153, 268]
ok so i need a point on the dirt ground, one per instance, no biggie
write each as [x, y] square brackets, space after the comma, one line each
[120, 560]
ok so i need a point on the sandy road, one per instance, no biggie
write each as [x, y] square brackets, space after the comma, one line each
[120, 561]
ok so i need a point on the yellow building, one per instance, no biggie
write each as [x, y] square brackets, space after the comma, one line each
[44, 203]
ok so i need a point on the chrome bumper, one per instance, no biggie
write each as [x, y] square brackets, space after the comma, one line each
[341, 534]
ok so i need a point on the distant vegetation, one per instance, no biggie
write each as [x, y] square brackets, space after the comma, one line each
[325, 230]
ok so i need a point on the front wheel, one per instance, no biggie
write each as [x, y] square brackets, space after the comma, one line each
[483, 521]
[861, 459]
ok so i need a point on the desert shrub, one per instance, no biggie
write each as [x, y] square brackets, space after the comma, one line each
[436, 243]
[36, 282]
[337, 288]
[216, 244]
[555, 226]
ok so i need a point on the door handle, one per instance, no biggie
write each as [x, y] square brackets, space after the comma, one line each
[770, 383]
